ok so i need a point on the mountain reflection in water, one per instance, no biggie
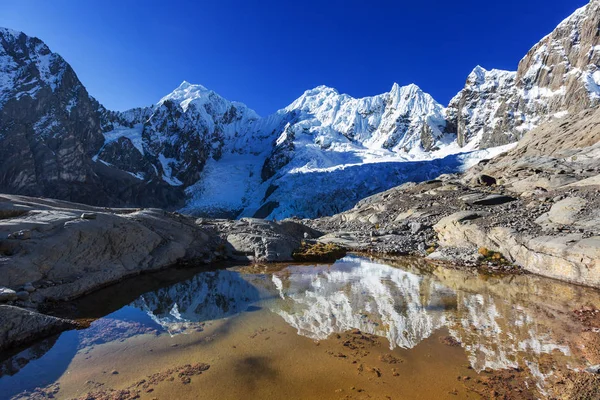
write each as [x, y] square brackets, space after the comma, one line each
[207, 296]
[510, 322]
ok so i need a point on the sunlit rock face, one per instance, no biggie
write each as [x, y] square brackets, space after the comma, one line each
[207, 296]
[557, 77]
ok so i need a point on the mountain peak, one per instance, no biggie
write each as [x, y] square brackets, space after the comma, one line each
[313, 97]
[412, 88]
[9, 32]
[322, 89]
[185, 85]
[410, 91]
[185, 93]
[480, 75]
[477, 75]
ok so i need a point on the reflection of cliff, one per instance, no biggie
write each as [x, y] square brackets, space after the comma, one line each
[499, 335]
[519, 321]
[207, 296]
[15, 363]
[38, 366]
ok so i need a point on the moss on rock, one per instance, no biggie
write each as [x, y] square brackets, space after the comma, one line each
[319, 252]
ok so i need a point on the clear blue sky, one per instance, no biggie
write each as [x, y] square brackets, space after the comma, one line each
[266, 53]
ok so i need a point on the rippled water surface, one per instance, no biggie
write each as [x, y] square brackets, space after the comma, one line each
[355, 329]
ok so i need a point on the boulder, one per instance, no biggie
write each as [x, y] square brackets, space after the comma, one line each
[347, 240]
[416, 227]
[7, 294]
[259, 240]
[456, 230]
[571, 257]
[564, 212]
[23, 295]
[19, 326]
[493, 200]
[486, 180]
[95, 252]
[29, 287]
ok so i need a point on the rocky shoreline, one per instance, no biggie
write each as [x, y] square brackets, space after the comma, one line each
[55, 251]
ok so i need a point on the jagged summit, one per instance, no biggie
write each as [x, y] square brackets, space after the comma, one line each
[558, 76]
[311, 96]
[411, 87]
[480, 75]
[7, 32]
[185, 93]
[27, 65]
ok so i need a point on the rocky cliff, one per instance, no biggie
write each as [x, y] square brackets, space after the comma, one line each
[50, 130]
[557, 77]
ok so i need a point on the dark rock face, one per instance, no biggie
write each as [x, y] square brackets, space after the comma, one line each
[190, 146]
[50, 130]
[19, 326]
[47, 136]
[280, 156]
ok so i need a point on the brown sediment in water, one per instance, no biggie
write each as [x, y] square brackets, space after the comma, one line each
[257, 355]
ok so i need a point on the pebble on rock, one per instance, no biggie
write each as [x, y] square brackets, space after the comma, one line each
[23, 234]
[29, 287]
[23, 295]
[7, 294]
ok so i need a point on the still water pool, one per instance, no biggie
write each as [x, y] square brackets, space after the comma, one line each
[356, 329]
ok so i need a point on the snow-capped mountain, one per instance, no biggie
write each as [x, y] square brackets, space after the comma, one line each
[477, 111]
[404, 119]
[231, 160]
[177, 136]
[196, 151]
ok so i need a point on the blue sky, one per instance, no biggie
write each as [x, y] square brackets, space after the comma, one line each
[266, 53]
